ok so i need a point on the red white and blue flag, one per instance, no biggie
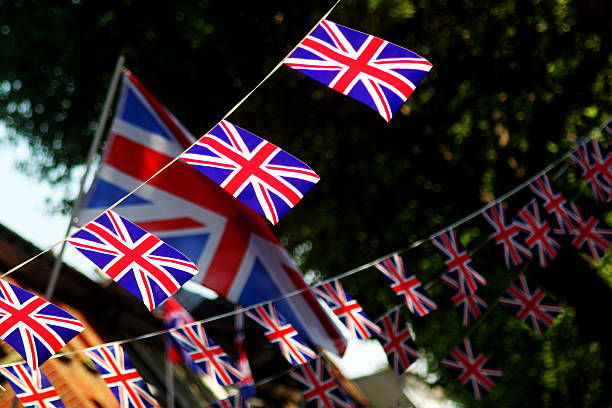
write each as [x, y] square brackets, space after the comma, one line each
[472, 305]
[209, 357]
[176, 316]
[236, 252]
[405, 283]
[398, 341]
[505, 234]
[367, 68]
[236, 401]
[320, 389]
[256, 172]
[347, 309]
[554, 203]
[35, 328]
[121, 377]
[137, 260]
[32, 388]
[586, 232]
[595, 162]
[472, 369]
[458, 262]
[534, 307]
[537, 233]
[281, 333]
[246, 386]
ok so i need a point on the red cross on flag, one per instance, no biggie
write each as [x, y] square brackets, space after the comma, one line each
[320, 388]
[32, 388]
[514, 252]
[397, 341]
[537, 233]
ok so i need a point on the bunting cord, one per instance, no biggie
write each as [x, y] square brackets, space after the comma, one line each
[236, 106]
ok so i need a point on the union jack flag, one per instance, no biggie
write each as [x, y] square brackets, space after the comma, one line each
[553, 203]
[458, 262]
[32, 387]
[35, 328]
[209, 357]
[533, 306]
[320, 388]
[586, 232]
[373, 71]
[176, 316]
[121, 377]
[398, 341]
[258, 173]
[596, 165]
[472, 369]
[246, 386]
[514, 253]
[529, 221]
[282, 333]
[405, 283]
[140, 262]
[235, 401]
[472, 303]
[347, 309]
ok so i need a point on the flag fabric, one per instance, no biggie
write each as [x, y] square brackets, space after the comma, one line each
[534, 308]
[537, 233]
[586, 232]
[320, 389]
[238, 255]
[35, 328]
[405, 283]
[398, 341]
[595, 162]
[236, 401]
[472, 305]
[374, 71]
[32, 388]
[347, 309]
[209, 357]
[473, 369]
[176, 316]
[137, 260]
[458, 262]
[279, 332]
[246, 386]
[553, 203]
[256, 172]
[121, 377]
[514, 252]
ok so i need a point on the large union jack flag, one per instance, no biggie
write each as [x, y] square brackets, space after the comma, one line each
[595, 162]
[258, 173]
[472, 304]
[398, 341]
[347, 309]
[514, 252]
[121, 377]
[473, 369]
[140, 262]
[35, 328]
[537, 233]
[533, 306]
[373, 71]
[586, 232]
[32, 387]
[278, 331]
[458, 262]
[320, 388]
[209, 357]
[405, 283]
[553, 203]
[236, 401]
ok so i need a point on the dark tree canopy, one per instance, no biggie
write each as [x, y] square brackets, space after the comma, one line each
[514, 83]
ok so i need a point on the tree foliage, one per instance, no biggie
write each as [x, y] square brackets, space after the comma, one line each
[514, 83]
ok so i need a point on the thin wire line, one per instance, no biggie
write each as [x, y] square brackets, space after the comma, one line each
[177, 157]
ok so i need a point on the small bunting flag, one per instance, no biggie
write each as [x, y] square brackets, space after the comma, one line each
[514, 252]
[140, 262]
[472, 304]
[321, 390]
[537, 233]
[595, 162]
[373, 71]
[398, 341]
[553, 203]
[586, 232]
[32, 388]
[35, 328]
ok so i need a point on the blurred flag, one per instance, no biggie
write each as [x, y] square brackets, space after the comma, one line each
[247, 385]
[32, 388]
[373, 71]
